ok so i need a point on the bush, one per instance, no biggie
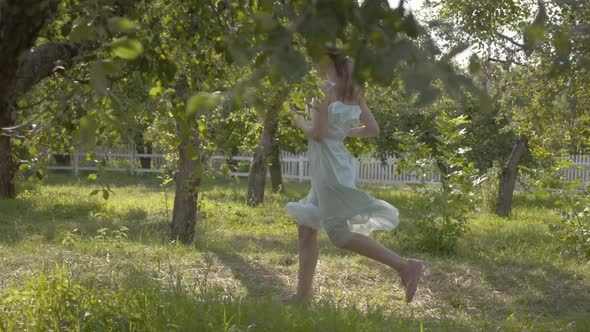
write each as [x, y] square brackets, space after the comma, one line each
[441, 221]
[573, 230]
[487, 191]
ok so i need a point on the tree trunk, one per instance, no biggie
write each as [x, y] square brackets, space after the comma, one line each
[276, 176]
[144, 148]
[508, 177]
[232, 163]
[443, 168]
[7, 165]
[266, 155]
[257, 176]
[187, 180]
[263, 154]
[188, 177]
[22, 67]
[146, 162]
[62, 159]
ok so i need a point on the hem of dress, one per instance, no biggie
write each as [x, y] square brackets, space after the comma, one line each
[348, 218]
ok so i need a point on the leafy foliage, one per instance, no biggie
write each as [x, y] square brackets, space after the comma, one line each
[443, 212]
[574, 228]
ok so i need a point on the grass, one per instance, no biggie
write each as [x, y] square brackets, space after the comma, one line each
[74, 262]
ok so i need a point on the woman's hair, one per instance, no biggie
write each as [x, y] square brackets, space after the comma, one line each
[346, 87]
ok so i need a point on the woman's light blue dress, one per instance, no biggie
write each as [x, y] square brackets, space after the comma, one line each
[334, 197]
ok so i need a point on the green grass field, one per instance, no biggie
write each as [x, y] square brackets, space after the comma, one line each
[74, 262]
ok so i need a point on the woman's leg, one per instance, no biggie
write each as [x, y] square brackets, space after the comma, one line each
[366, 246]
[409, 270]
[308, 258]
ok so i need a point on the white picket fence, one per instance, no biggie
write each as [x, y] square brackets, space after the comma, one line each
[579, 170]
[368, 169]
[124, 160]
[294, 166]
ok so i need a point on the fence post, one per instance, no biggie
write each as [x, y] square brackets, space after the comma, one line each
[300, 168]
[76, 170]
[132, 159]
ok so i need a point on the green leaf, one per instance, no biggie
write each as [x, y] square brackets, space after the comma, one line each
[321, 28]
[427, 96]
[585, 62]
[190, 152]
[167, 70]
[410, 26]
[127, 49]
[384, 63]
[291, 65]
[417, 81]
[66, 29]
[563, 44]
[299, 104]
[541, 17]
[98, 78]
[92, 177]
[121, 25]
[157, 90]
[201, 103]
[94, 192]
[474, 64]
[105, 194]
[168, 180]
[265, 22]
[534, 34]
[373, 10]
[83, 32]
[87, 132]
[111, 67]
[456, 51]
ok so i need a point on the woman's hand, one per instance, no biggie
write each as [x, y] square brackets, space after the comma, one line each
[298, 120]
[317, 127]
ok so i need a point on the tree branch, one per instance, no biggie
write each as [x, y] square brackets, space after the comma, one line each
[18, 127]
[20, 23]
[506, 62]
[83, 81]
[218, 16]
[37, 103]
[41, 62]
[511, 40]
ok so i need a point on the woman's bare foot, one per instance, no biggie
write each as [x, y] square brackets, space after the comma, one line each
[411, 277]
[297, 299]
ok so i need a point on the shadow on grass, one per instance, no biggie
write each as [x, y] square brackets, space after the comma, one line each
[286, 248]
[543, 289]
[224, 190]
[149, 180]
[252, 243]
[259, 280]
[141, 303]
[501, 274]
[50, 215]
[490, 279]
[265, 287]
[495, 278]
[538, 199]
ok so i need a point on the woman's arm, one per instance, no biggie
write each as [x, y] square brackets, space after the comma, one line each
[370, 126]
[315, 130]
